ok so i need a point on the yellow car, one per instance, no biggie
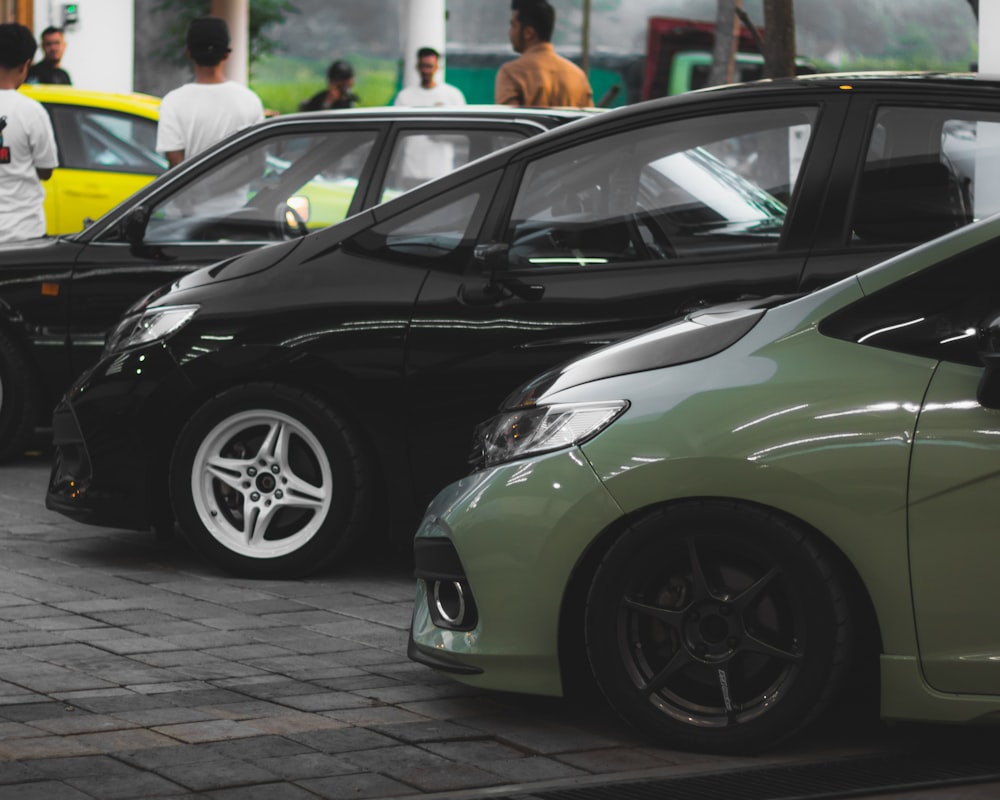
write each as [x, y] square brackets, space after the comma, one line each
[106, 151]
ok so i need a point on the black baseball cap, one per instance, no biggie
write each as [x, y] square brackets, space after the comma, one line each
[208, 33]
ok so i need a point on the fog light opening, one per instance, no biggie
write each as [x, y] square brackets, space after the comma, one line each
[449, 601]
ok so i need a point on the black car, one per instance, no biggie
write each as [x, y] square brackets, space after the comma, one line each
[284, 403]
[273, 182]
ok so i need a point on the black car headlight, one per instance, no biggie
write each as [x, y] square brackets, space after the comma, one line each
[538, 429]
[148, 326]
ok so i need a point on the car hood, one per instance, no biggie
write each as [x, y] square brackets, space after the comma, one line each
[696, 336]
[269, 256]
[9, 250]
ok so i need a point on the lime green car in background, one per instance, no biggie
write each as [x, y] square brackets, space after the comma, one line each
[725, 519]
[107, 151]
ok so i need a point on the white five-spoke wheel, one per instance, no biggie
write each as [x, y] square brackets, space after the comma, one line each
[269, 482]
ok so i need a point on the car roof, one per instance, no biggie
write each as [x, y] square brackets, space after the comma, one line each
[444, 112]
[144, 105]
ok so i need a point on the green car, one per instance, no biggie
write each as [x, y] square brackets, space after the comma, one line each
[727, 519]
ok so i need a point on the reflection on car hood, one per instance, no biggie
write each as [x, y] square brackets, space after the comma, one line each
[693, 338]
[26, 246]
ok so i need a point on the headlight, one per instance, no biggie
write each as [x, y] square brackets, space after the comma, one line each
[515, 434]
[148, 326]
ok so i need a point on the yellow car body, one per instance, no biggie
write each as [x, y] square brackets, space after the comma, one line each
[106, 147]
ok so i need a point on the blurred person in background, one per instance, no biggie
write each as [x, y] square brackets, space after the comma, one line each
[197, 115]
[338, 92]
[48, 70]
[540, 77]
[27, 144]
[430, 92]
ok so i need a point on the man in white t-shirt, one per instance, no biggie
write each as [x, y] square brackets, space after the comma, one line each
[429, 92]
[427, 157]
[27, 145]
[199, 114]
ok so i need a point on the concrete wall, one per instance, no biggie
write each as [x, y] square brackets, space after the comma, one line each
[99, 47]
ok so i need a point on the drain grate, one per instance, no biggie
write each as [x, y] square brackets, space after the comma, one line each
[854, 777]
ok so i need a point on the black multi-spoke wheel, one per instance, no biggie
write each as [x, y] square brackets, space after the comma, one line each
[717, 626]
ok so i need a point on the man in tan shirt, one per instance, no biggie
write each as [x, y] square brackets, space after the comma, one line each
[540, 77]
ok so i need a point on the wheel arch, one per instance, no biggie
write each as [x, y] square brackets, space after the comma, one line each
[571, 628]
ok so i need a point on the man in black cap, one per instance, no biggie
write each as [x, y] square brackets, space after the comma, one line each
[199, 114]
[337, 94]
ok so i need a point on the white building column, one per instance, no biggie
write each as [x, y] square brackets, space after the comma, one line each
[236, 13]
[423, 26]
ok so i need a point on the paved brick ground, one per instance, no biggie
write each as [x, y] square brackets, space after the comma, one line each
[131, 668]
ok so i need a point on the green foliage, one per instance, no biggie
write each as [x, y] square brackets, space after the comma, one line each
[177, 14]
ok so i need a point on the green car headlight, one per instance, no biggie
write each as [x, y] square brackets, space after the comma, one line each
[148, 326]
[537, 429]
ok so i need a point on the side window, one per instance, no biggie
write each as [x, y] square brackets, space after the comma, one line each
[421, 156]
[279, 187]
[927, 172]
[680, 189]
[433, 229]
[935, 313]
[105, 140]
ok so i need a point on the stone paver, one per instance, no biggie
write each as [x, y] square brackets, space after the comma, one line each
[131, 668]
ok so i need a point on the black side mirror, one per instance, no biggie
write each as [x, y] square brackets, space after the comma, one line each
[499, 286]
[988, 393]
[493, 256]
[133, 227]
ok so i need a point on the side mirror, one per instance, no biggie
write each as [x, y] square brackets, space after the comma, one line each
[988, 393]
[493, 256]
[133, 227]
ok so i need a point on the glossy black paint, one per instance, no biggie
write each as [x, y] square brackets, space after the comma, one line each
[59, 296]
[415, 351]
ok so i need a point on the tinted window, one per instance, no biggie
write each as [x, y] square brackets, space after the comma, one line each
[272, 189]
[920, 174]
[420, 156]
[935, 313]
[685, 188]
[105, 140]
[432, 229]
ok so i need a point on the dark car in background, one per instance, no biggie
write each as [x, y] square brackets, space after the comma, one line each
[285, 403]
[273, 182]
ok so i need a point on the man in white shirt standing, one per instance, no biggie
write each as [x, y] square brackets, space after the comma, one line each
[27, 144]
[425, 157]
[199, 114]
[429, 92]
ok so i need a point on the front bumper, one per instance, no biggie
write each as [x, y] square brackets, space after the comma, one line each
[517, 532]
[107, 431]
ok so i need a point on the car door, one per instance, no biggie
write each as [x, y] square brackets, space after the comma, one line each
[592, 241]
[276, 185]
[954, 536]
[954, 473]
[104, 157]
[908, 169]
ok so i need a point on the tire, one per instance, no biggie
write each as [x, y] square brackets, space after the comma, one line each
[718, 626]
[269, 482]
[18, 401]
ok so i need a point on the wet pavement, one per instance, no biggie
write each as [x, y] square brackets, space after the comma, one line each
[131, 668]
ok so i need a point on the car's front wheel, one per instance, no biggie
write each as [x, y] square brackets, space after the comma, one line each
[718, 626]
[18, 401]
[269, 482]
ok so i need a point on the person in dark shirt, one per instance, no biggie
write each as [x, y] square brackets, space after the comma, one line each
[338, 94]
[48, 70]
